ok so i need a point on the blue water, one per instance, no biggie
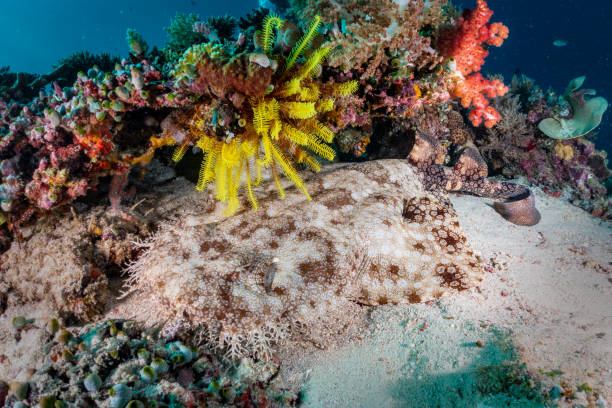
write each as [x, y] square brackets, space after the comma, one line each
[34, 34]
[535, 24]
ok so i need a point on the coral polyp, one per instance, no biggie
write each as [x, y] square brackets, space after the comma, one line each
[276, 127]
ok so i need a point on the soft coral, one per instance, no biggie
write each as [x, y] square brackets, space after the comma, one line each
[466, 44]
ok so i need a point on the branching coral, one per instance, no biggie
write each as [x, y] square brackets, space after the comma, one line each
[466, 45]
[181, 33]
[362, 34]
[271, 122]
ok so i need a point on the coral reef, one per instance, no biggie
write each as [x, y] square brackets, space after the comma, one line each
[252, 279]
[250, 100]
[66, 261]
[57, 147]
[231, 99]
[365, 34]
[515, 147]
[120, 363]
[273, 118]
[466, 45]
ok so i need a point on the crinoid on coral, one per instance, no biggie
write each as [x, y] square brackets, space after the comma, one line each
[251, 279]
[268, 112]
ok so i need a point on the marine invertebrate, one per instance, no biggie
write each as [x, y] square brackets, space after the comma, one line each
[515, 147]
[365, 35]
[469, 174]
[271, 122]
[181, 33]
[585, 113]
[64, 140]
[465, 45]
[253, 278]
[109, 358]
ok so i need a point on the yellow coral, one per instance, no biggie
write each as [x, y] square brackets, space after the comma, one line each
[274, 131]
[270, 23]
[564, 152]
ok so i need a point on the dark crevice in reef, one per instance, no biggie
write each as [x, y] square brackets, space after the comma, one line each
[391, 139]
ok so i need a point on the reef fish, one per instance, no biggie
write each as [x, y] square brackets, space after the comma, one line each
[559, 43]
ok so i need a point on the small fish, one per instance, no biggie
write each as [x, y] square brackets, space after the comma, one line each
[559, 43]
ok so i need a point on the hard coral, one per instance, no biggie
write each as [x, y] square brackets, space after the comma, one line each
[63, 141]
[363, 34]
[267, 113]
[466, 45]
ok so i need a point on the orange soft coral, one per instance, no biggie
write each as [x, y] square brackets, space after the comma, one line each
[473, 92]
[463, 45]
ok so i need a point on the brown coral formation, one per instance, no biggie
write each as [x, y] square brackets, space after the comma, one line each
[251, 279]
[362, 32]
[56, 265]
[65, 261]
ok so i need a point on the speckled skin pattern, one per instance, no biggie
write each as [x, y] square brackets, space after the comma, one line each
[469, 175]
[371, 235]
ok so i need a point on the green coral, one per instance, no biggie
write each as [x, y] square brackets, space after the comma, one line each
[138, 46]
[224, 26]
[181, 33]
[586, 113]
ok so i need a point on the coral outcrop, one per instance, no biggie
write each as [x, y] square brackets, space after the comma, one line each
[372, 235]
[363, 34]
[515, 147]
[65, 262]
[117, 364]
[466, 44]
[269, 114]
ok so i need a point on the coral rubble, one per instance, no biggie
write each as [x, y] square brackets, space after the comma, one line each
[119, 363]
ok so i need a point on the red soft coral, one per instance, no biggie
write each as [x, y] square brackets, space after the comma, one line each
[473, 92]
[464, 43]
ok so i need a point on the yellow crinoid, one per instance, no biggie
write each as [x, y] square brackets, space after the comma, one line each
[277, 129]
